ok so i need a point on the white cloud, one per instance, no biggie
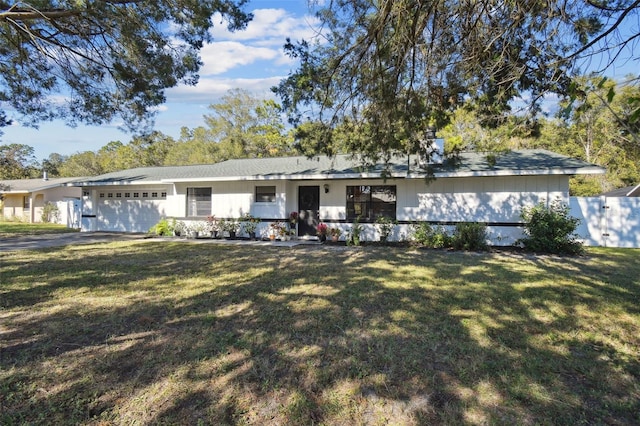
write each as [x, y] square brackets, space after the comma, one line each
[220, 57]
[270, 26]
[209, 90]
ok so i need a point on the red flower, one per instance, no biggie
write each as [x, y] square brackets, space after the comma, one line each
[322, 228]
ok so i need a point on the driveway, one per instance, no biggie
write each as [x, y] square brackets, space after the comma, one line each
[29, 242]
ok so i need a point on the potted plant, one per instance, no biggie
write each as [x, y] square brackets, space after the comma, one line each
[283, 232]
[385, 226]
[232, 226]
[213, 227]
[293, 223]
[335, 234]
[274, 230]
[249, 225]
[322, 230]
[179, 228]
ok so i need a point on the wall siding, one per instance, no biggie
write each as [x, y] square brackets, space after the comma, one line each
[607, 221]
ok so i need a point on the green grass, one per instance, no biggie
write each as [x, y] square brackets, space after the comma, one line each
[11, 229]
[177, 333]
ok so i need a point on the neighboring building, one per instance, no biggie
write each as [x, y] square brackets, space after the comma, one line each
[476, 187]
[629, 191]
[24, 199]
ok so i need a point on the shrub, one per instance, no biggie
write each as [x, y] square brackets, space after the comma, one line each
[50, 213]
[431, 237]
[355, 233]
[550, 229]
[470, 236]
[385, 226]
[163, 228]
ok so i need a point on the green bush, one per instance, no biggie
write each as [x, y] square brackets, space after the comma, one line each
[470, 236]
[550, 229]
[431, 237]
[355, 233]
[163, 228]
[50, 213]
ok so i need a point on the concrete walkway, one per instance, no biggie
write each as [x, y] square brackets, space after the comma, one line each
[31, 242]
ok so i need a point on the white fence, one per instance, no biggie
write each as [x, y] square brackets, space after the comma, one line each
[608, 221]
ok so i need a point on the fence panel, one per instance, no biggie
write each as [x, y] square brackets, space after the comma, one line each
[608, 221]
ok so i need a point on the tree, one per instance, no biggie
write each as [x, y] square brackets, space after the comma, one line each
[104, 58]
[81, 164]
[194, 147]
[53, 163]
[17, 161]
[245, 126]
[399, 67]
[597, 118]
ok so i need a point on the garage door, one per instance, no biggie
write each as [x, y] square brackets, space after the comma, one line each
[130, 210]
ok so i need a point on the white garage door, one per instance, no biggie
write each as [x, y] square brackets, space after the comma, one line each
[130, 210]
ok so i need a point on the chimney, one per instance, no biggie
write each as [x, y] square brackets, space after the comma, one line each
[431, 148]
[45, 175]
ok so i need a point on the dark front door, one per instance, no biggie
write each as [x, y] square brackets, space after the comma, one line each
[308, 209]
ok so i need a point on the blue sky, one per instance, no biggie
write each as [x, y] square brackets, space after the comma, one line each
[252, 59]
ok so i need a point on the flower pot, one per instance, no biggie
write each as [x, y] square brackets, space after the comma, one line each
[232, 235]
[323, 238]
[272, 237]
[335, 238]
[252, 235]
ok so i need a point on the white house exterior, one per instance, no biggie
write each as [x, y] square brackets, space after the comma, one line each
[25, 199]
[334, 191]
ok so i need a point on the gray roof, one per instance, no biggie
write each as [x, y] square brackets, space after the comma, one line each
[25, 186]
[629, 191]
[523, 162]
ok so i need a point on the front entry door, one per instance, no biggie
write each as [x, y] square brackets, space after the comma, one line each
[308, 209]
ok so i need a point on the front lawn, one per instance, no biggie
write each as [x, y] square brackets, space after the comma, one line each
[162, 332]
[11, 229]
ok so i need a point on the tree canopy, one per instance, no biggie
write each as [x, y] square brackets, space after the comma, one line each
[90, 61]
[394, 68]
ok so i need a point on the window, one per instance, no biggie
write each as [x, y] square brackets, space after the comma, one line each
[26, 202]
[127, 195]
[198, 201]
[265, 194]
[371, 202]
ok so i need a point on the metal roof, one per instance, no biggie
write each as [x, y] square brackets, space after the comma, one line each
[512, 163]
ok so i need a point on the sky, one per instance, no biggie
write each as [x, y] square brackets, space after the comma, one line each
[252, 59]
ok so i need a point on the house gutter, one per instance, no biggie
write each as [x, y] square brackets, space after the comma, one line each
[348, 176]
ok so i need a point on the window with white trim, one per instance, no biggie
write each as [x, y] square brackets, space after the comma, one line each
[369, 202]
[265, 194]
[198, 202]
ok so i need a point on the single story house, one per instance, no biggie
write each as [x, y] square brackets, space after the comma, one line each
[25, 199]
[629, 191]
[475, 187]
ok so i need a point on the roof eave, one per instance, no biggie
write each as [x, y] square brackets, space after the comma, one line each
[118, 183]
